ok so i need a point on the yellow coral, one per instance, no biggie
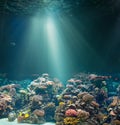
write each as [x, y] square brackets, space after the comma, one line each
[61, 103]
[25, 114]
[71, 121]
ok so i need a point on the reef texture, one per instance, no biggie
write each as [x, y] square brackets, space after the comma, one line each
[86, 99]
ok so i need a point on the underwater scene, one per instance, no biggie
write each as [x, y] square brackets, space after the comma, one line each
[59, 62]
[85, 99]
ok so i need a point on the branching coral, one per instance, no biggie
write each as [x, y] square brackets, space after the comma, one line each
[5, 97]
[5, 101]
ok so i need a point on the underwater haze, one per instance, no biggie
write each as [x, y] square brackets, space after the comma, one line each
[59, 62]
[60, 38]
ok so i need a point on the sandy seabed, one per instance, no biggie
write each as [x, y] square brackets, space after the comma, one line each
[6, 122]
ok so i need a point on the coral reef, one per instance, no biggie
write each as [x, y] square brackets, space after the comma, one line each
[42, 100]
[78, 104]
[86, 100]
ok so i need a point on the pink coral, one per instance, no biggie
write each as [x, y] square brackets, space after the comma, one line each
[5, 101]
[70, 112]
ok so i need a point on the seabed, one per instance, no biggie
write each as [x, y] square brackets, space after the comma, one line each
[6, 122]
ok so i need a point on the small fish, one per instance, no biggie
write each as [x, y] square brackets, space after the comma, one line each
[13, 44]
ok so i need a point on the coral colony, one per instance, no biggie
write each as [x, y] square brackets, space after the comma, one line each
[87, 99]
